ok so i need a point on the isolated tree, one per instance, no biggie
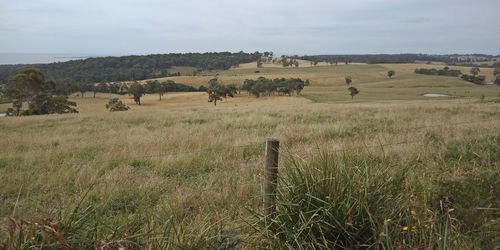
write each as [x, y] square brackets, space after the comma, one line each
[353, 91]
[391, 73]
[475, 71]
[307, 82]
[259, 64]
[137, 90]
[161, 89]
[496, 72]
[215, 91]
[95, 88]
[446, 68]
[296, 63]
[116, 104]
[348, 80]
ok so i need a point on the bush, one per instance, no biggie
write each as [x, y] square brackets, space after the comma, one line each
[473, 79]
[440, 72]
[116, 104]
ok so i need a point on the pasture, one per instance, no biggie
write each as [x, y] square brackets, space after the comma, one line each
[181, 173]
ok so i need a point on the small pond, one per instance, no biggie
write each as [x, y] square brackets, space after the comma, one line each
[435, 95]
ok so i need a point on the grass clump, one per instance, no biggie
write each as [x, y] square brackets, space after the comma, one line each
[335, 202]
[353, 202]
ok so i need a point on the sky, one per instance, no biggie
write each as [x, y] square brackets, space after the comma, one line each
[122, 27]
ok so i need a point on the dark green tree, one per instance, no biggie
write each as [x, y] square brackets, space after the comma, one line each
[348, 80]
[48, 104]
[137, 90]
[151, 86]
[30, 86]
[391, 73]
[216, 91]
[161, 89]
[475, 71]
[353, 91]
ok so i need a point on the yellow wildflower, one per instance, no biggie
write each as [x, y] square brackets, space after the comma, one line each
[413, 212]
[414, 229]
[405, 228]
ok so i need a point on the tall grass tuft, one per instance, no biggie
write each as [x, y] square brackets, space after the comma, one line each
[349, 202]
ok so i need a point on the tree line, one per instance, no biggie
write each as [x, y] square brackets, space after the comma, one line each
[446, 71]
[453, 59]
[473, 77]
[70, 76]
[281, 86]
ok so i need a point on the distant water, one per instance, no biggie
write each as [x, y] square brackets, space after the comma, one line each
[28, 58]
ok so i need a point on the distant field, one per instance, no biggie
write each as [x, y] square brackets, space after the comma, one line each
[183, 172]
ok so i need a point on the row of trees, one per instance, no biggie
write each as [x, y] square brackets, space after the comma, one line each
[30, 86]
[280, 86]
[454, 59]
[473, 77]
[446, 71]
[71, 75]
[217, 91]
[150, 87]
[284, 61]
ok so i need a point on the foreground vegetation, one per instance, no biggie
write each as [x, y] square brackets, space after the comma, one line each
[389, 169]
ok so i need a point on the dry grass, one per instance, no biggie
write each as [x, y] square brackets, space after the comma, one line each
[184, 158]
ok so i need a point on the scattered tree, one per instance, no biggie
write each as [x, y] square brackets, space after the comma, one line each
[161, 89]
[353, 91]
[259, 64]
[475, 71]
[215, 91]
[391, 73]
[348, 80]
[137, 90]
[496, 72]
[116, 104]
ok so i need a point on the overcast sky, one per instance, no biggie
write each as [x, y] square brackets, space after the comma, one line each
[116, 27]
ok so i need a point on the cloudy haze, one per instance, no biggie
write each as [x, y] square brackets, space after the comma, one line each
[113, 27]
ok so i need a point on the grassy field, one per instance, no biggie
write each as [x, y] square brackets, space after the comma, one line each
[388, 170]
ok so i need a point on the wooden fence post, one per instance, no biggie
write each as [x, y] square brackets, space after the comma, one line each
[271, 175]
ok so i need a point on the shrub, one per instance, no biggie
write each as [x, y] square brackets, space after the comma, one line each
[473, 79]
[116, 104]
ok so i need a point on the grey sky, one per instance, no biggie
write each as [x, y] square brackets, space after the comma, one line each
[300, 27]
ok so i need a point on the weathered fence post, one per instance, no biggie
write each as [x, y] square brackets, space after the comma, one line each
[270, 175]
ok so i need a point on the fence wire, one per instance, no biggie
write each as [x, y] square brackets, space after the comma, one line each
[285, 149]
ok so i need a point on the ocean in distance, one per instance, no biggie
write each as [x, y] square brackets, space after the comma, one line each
[31, 58]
